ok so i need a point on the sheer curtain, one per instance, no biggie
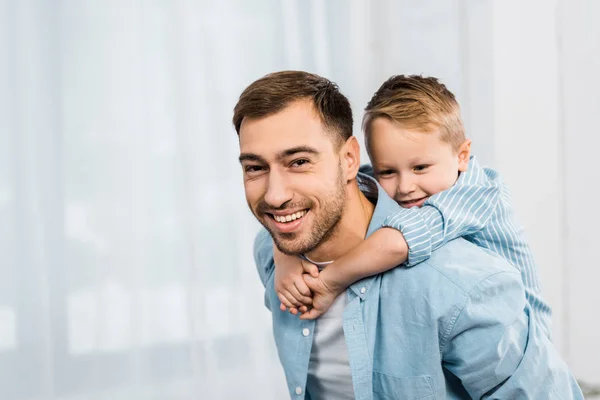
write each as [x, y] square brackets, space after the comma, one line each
[126, 267]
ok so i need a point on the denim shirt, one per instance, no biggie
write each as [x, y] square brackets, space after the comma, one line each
[455, 326]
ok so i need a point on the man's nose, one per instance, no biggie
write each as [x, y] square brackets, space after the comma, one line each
[278, 192]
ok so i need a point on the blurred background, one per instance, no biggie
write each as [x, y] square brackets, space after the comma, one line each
[126, 267]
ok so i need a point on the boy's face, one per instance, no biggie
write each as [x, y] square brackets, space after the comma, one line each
[410, 165]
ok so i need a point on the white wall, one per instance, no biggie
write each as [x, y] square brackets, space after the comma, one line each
[580, 106]
[526, 134]
[125, 244]
[546, 114]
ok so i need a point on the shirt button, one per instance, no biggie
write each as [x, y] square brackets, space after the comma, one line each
[305, 332]
[363, 290]
[298, 390]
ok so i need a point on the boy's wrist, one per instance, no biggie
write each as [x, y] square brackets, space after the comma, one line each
[334, 280]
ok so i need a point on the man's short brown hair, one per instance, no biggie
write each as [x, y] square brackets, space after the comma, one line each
[417, 102]
[274, 92]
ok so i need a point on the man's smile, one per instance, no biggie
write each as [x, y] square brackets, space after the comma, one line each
[286, 222]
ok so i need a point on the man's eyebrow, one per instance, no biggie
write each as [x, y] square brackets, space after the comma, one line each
[298, 149]
[280, 156]
[250, 157]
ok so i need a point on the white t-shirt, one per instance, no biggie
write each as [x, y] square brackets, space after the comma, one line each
[329, 374]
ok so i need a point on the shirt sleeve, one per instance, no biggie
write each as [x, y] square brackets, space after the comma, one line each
[497, 351]
[263, 258]
[459, 211]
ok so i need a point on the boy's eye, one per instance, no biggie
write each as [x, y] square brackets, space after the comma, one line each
[385, 172]
[299, 163]
[421, 167]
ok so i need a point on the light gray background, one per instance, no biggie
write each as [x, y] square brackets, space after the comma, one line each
[125, 242]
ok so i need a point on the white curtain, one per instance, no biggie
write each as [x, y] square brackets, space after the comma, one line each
[126, 267]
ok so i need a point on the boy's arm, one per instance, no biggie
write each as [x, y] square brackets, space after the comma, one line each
[387, 246]
[461, 210]
[458, 211]
[380, 252]
[497, 351]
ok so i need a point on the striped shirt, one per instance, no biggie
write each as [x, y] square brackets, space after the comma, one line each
[478, 208]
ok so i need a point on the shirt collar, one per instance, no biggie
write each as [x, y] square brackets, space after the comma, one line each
[473, 175]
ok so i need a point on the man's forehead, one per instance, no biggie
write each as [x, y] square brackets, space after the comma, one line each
[294, 127]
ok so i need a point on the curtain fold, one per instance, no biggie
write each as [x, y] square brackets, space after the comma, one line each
[126, 244]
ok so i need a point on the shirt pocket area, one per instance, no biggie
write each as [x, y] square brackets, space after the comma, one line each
[388, 387]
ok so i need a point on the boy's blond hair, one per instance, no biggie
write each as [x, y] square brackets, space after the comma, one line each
[419, 103]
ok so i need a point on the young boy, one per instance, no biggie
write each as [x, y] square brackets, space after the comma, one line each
[415, 138]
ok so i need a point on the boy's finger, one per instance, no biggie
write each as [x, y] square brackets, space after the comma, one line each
[294, 311]
[292, 297]
[311, 314]
[284, 300]
[310, 268]
[314, 271]
[282, 307]
[303, 288]
[299, 296]
[303, 309]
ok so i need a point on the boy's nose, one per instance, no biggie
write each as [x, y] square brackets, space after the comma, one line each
[405, 187]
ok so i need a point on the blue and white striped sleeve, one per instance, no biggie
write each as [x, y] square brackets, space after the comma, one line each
[461, 210]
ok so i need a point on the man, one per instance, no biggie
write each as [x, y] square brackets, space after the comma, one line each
[454, 326]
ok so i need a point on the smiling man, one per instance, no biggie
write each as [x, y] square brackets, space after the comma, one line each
[454, 326]
[301, 220]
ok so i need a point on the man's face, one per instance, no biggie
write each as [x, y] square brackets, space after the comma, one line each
[293, 177]
[410, 165]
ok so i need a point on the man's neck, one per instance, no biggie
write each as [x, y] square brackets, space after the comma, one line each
[350, 231]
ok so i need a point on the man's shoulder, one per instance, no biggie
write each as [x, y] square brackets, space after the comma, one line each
[457, 276]
[460, 266]
[263, 255]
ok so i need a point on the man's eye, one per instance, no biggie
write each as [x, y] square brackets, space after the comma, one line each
[421, 167]
[253, 168]
[299, 163]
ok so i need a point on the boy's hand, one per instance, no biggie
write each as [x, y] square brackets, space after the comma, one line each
[290, 287]
[324, 294]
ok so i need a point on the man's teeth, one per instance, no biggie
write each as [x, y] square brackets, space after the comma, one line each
[290, 217]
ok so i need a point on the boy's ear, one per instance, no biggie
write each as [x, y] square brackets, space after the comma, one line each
[464, 155]
[350, 156]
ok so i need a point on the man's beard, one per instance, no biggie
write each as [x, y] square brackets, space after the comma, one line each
[325, 224]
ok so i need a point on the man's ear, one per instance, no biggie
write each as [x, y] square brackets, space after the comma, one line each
[464, 155]
[350, 157]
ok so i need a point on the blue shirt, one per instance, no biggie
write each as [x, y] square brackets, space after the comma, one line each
[479, 208]
[456, 325]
